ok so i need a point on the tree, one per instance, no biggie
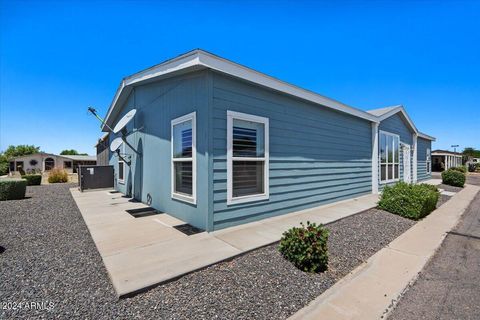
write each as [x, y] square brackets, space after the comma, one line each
[3, 165]
[72, 152]
[471, 153]
[20, 150]
[15, 151]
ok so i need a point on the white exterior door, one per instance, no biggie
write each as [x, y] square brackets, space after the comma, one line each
[407, 164]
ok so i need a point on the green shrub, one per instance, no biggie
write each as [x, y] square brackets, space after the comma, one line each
[413, 201]
[306, 247]
[460, 169]
[3, 168]
[453, 178]
[33, 179]
[57, 175]
[12, 189]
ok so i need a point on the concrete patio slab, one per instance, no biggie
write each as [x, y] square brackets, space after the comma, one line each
[368, 292]
[139, 253]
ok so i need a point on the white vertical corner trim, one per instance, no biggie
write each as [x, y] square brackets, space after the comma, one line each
[415, 158]
[428, 161]
[375, 167]
[231, 115]
[193, 198]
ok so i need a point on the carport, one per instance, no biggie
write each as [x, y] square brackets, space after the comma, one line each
[444, 160]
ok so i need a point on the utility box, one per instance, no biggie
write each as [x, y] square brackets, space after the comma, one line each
[95, 177]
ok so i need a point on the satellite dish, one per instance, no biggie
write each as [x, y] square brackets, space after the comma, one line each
[124, 121]
[116, 143]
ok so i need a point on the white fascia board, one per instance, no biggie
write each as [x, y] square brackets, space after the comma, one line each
[170, 66]
[426, 136]
[114, 102]
[239, 71]
[402, 110]
[447, 154]
[198, 58]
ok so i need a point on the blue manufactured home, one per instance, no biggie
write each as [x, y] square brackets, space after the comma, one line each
[217, 144]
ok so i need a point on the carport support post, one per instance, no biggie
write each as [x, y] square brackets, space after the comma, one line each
[415, 159]
[374, 157]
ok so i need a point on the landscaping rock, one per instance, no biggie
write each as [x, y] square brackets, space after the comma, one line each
[50, 257]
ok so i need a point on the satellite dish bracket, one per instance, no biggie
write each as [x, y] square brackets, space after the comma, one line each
[128, 162]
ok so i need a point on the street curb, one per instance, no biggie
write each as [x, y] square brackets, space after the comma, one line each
[372, 289]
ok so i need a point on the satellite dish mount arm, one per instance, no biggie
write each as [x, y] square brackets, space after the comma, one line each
[128, 162]
[94, 112]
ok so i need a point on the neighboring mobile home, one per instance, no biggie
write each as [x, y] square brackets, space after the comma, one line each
[444, 160]
[41, 162]
[217, 144]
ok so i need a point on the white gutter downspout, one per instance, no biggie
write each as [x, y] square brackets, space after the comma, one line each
[415, 157]
[374, 157]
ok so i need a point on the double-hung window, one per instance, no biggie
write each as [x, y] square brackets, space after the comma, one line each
[184, 158]
[389, 157]
[121, 165]
[428, 162]
[247, 158]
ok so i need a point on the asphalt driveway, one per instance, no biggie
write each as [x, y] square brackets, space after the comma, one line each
[449, 286]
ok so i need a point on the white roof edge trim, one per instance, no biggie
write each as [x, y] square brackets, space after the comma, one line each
[205, 59]
[402, 110]
[426, 136]
[114, 102]
[239, 71]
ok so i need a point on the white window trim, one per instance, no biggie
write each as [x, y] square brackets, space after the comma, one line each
[121, 181]
[182, 197]
[428, 161]
[388, 163]
[231, 115]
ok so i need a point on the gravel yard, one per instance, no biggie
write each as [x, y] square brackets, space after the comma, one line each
[50, 257]
[446, 187]
[442, 199]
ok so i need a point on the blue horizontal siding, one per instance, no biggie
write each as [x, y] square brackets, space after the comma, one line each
[317, 155]
[149, 174]
[398, 125]
[422, 146]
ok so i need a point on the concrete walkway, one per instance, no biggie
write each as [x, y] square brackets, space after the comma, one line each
[449, 286]
[372, 289]
[142, 252]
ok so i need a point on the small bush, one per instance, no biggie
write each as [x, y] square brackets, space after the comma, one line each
[453, 178]
[413, 201]
[33, 179]
[57, 176]
[12, 189]
[460, 169]
[306, 247]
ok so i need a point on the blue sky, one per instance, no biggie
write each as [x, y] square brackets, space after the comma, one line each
[59, 57]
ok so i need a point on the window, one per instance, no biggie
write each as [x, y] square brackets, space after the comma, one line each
[389, 157]
[121, 165]
[67, 164]
[49, 164]
[247, 158]
[184, 158]
[429, 162]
